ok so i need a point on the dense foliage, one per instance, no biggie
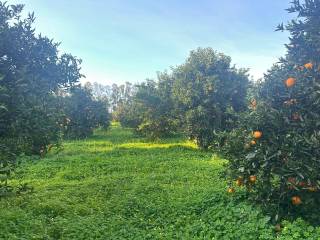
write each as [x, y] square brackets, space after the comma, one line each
[268, 130]
[83, 113]
[151, 110]
[276, 151]
[199, 98]
[33, 74]
[209, 92]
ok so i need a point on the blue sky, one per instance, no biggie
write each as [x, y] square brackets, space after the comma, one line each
[130, 40]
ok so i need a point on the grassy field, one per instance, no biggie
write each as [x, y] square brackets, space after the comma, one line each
[118, 186]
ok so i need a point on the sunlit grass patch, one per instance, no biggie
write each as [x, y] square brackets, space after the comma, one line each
[157, 145]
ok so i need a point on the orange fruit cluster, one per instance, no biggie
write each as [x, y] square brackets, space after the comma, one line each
[256, 135]
[240, 182]
[291, 80]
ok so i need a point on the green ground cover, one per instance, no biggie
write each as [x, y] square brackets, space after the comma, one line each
[115, 185]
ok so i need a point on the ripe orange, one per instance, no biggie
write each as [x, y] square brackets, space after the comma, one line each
[290, 82]
[257, 134]
[308, 65]
[231, 190]
[253, 142]
[253, 178]
[296, 200]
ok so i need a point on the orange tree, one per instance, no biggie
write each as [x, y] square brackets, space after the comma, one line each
[208, 91]
[83, 113]
[275, 152]
[7, 157]
[198, 98]
[32, 72]
[151, 108]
